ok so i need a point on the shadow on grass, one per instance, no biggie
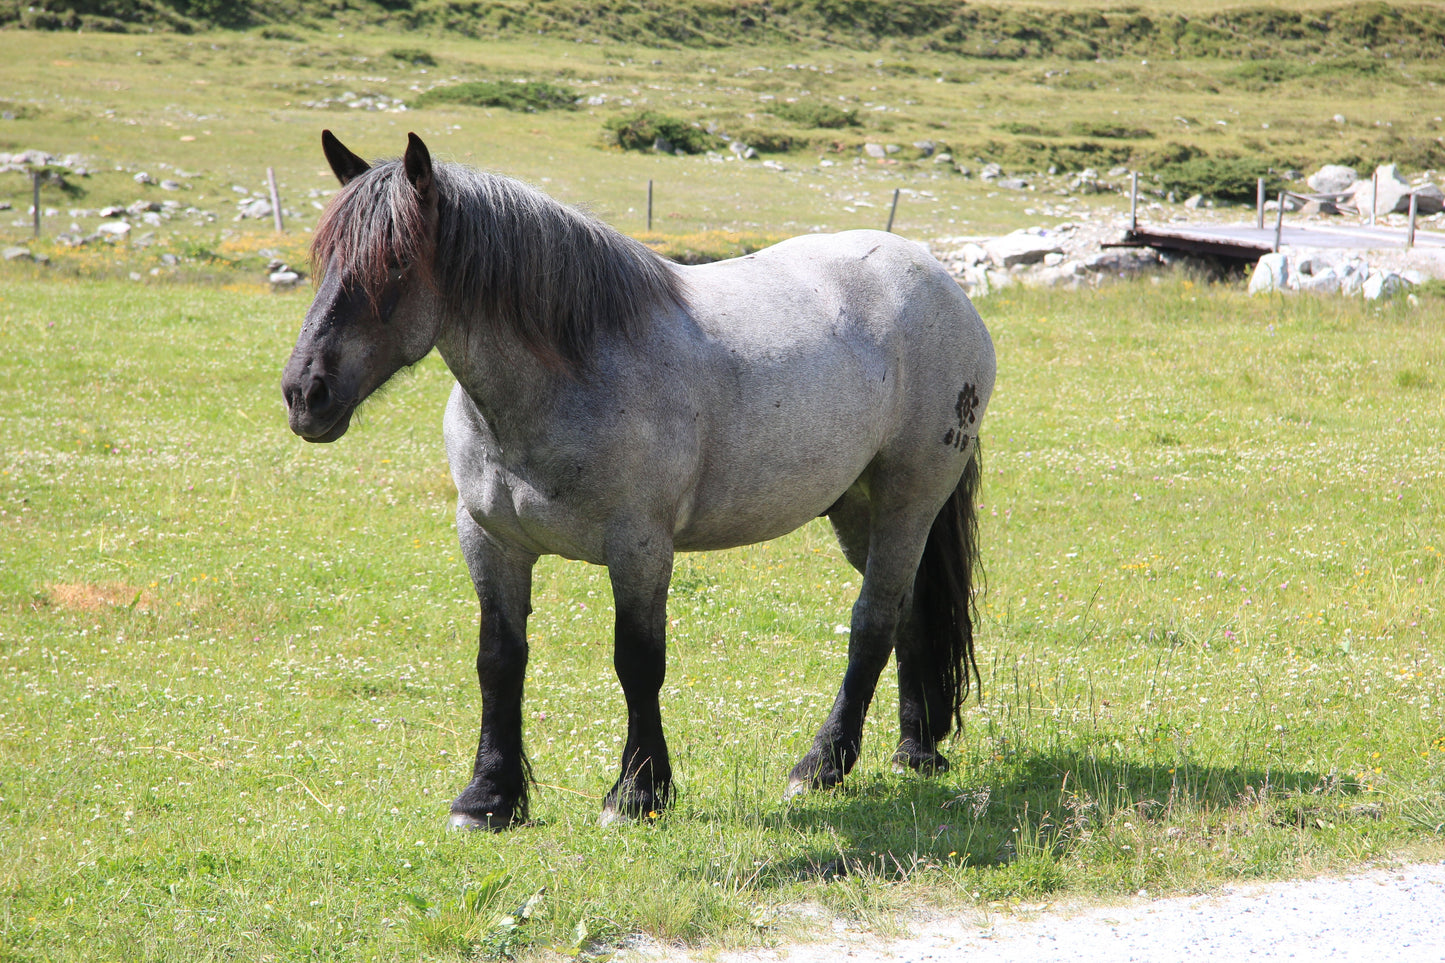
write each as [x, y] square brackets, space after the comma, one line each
[1009, 830]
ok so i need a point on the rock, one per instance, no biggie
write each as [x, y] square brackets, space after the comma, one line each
[1332, 179]
[1053, 259]
[925, 148]
[169, 185]
[662, 145]
[1270, 274]
[1382, 285]
[1429, 200]
[1391, 192]
[113, 210]
[17, 254]
[1013, 250]
[284, 279]
[257, 207]
[1122, 261]
[1012, 183]
[876, 151]
[143, 178]
[1193, 202]
[944, 158]
[990, 172]
[113, 230]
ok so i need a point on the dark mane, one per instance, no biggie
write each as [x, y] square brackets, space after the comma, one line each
[505, 254]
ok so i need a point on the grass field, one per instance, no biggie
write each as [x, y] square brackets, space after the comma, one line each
[236, 682]
[238, 694]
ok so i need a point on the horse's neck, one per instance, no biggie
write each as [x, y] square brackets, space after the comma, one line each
[504, 379]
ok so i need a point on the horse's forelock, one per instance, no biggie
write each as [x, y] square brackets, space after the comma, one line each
[372, 226]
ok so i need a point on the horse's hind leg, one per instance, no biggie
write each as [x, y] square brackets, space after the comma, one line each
[924, 704]
[497, 795]
[891, 561]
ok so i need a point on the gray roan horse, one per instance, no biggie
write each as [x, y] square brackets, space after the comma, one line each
[615, 407]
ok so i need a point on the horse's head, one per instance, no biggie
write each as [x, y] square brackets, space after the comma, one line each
[376, 309]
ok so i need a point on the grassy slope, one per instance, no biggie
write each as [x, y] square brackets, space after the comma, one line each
[238, 692]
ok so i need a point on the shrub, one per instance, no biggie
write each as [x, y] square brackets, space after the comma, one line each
[529, 96]
[1225, 178]
[811, 113]
[413, 55]
[643, 129]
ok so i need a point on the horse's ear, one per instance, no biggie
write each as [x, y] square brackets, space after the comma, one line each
[418, 169]
[344, 164]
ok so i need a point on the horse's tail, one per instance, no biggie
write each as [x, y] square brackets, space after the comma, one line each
[944, 590]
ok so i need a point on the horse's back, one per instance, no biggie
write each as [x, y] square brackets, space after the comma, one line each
[825, 355]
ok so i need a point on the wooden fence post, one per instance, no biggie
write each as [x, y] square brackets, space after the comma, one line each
[1279, 222]
[35, 192]
[1259, 203]
[275, 199]
[1133, 201]
[1414, 209]
[649, 207]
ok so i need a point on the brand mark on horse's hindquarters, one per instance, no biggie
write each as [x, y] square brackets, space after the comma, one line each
[966, 408]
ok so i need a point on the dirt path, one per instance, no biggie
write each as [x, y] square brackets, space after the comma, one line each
[1395, 915]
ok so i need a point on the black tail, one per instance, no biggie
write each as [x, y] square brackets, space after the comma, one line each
[944, 590]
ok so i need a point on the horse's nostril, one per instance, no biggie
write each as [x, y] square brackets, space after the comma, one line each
[317, 394]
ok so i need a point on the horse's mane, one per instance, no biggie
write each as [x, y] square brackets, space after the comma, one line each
[504, 254]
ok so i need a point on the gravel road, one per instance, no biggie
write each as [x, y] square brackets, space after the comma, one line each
[1385, 915]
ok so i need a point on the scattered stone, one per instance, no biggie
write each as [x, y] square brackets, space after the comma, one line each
[1381, 285]
[1194, 201]
[169, 185]
[1429, 200]
[1012, 183]
[1332, 179]
[1020, 248]
[1270, 274]
[1391, 192]
[1122, 262]
[990, 172]
[17, 254]
[875, 151]
[925, 147]
[113, 230]
[143, 178]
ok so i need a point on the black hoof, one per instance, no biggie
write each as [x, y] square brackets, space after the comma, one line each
[482, 807]
[927, 762]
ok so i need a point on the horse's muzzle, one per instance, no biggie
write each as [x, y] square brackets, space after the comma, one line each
[314, 409]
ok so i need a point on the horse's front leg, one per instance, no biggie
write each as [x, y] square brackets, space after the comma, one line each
[640, 571]
[497, 795]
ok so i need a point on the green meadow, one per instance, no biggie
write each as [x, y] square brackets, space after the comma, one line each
[237, 689]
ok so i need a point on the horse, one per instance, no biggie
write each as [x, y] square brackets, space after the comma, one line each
[615, 407]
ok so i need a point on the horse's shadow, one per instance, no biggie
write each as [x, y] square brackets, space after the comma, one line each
[1046, 807]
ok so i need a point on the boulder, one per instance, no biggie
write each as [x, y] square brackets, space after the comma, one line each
[1391, 192]
[1428, 200]
[1332, 179]
[1021, 248]
[1270, 274]
[1382, 285]
[1122, 261]
[876, 151]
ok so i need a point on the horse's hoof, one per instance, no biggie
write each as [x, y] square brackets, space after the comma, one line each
[466, 821]
[612, 816]
[796, 787]
[923, 763]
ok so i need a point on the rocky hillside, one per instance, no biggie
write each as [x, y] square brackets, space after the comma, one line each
[1415, 31]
